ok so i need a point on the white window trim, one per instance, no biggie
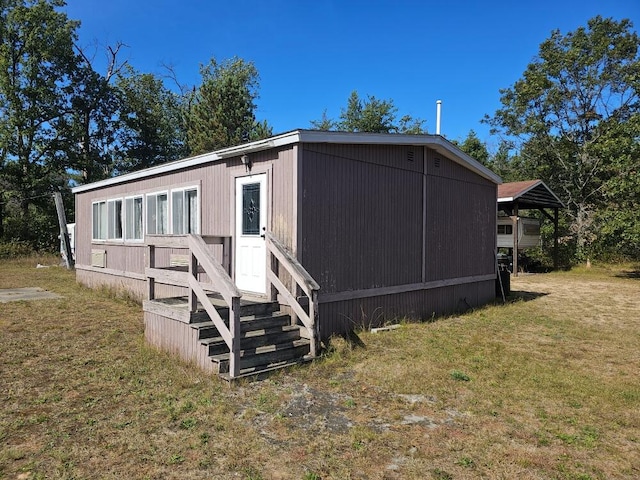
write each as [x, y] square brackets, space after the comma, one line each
[116, 239]
[146, 211]
[198, 209]
[125, 224]
[93, 220]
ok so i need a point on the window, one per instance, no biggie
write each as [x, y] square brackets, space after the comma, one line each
[531, 229]
[251, 209]
[184, 211]
[157, 214]
[114, 215]
[99, 220]
[505, 229]
[133, 218]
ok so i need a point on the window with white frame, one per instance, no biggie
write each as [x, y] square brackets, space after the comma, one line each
[157, 213]
[114, 215]
[184, 211]
[133, 218]
[99, 220]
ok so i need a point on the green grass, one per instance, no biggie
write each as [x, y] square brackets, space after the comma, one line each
[543, 387]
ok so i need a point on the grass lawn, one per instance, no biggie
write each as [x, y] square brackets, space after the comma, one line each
[546, 386]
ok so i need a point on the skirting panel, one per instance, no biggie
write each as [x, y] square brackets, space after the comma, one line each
[337, 318]
[177, 338]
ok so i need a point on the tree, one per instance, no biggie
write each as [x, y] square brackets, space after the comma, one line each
[37, 68]
[95, 118]
[571, 99]
[617, 223]
[222, 113]
[475, 148]
[152, 129]
[370, 115]
[324, 124]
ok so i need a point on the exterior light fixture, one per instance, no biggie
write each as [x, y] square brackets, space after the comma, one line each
[246, 162]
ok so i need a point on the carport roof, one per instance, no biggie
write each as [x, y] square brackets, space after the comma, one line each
[527, 194]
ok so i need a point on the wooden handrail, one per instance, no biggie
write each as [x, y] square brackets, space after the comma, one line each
[302, 278]
[200, 258]
[221, 280]
[216, 273]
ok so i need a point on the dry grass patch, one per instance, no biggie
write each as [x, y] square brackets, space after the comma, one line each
[544, 387]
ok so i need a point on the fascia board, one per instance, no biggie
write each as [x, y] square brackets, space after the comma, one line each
[437, 142]
[257, 146]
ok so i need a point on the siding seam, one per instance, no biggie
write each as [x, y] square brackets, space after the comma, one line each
[410, 287]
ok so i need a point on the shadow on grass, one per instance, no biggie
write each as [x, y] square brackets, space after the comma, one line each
[522, 296]
[633, 274]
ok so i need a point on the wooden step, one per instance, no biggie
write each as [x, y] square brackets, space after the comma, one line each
[265, 356]
[255, 338]
[251, 322]
[256, 373]
[246, 309]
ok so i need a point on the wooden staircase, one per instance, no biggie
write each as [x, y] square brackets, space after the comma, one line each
[268, 340]
[215, 325]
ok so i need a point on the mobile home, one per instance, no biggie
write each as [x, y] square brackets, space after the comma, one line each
[337, 229]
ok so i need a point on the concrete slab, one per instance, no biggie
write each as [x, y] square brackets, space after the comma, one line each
[27, 293]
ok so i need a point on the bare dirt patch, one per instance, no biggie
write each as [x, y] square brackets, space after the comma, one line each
[25, 294]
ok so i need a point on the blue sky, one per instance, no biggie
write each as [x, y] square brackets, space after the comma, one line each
[311, 55]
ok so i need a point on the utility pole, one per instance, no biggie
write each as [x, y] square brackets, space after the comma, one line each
[64, 234]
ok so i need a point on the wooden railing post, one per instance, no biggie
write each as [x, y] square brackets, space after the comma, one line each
[313, 315]
[151, 282]
[234, 330]
[274, 265]
[193, 271]
[226, 255]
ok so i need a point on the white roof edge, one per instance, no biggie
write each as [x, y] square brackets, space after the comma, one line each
[259, 145]
[438, 142]
[460, 157]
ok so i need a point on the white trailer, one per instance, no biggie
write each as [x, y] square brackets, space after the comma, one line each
[528, 232]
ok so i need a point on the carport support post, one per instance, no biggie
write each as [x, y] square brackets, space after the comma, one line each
[64, 234]
[515, 238]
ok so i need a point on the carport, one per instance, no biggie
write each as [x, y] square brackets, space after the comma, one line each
[529, 195]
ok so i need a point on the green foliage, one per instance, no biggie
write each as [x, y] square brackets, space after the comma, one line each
[151, 115]
[573, 118]
[459, 376]
[370, 115]
[37, 68]
[475, 148]
[222, 110]
[325, 123]
[62, 122]
[15, 249]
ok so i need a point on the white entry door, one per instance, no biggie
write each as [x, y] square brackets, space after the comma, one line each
[251, 223]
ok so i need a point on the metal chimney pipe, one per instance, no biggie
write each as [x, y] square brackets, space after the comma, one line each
[438, 113]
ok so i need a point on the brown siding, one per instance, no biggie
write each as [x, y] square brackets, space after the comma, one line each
[362, 216]
[341, 317]
[460, 233]
[177, 338]
[217, 184]
[370, 216]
